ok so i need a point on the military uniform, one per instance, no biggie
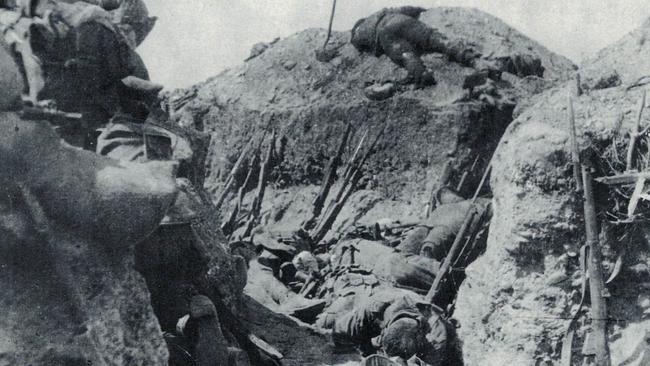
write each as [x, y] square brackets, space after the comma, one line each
[433, 238]
[398, 321]
[402, 269]
[397, 33]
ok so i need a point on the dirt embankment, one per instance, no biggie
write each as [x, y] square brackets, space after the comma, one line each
[310, 103]
[518, 298]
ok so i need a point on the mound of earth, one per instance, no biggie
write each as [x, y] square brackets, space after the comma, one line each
[517, 300]
[622, 63]
[309, 103]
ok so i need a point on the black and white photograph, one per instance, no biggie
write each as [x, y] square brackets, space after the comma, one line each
[324, 183]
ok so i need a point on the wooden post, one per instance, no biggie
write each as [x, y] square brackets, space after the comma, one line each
[578, 86]
[596, 282]
[329, 28]
[575, 151]
[634, 134]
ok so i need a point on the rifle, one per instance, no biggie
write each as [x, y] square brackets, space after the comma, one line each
[442, 181]
[456, 246]
[595, 269]
[265, 170]
[328, 181]
[635, 134]
[50, 114]
[348, 187]
[575, 152]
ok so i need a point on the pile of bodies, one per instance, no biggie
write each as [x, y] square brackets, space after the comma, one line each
[368, 288]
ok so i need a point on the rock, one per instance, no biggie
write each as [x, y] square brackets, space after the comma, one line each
[11, 80]
[71, 298]
[259, 48]
[630, 57]
[380, 92]
[289, 65]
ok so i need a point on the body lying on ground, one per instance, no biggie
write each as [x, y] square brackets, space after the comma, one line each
[434, 236]
[407, 270]
[400, 35]
[398, 322]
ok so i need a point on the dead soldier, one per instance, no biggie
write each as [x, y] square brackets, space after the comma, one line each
[397, 33]
[400, 35]
[434, 237]
[367, 314]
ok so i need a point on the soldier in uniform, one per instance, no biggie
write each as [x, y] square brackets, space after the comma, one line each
[400, 35]
[434, 237]
[365, 313]
[397, 33]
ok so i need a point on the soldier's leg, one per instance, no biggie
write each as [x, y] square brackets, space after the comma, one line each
[427, 39]
[398, 43]
[437, 243]
[403, 53]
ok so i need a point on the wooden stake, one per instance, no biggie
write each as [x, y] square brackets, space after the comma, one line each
[595, 269]
[634, 134]
[575, 151]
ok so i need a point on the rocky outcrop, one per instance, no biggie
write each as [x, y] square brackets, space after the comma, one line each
[517, 300]
[71, 295]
